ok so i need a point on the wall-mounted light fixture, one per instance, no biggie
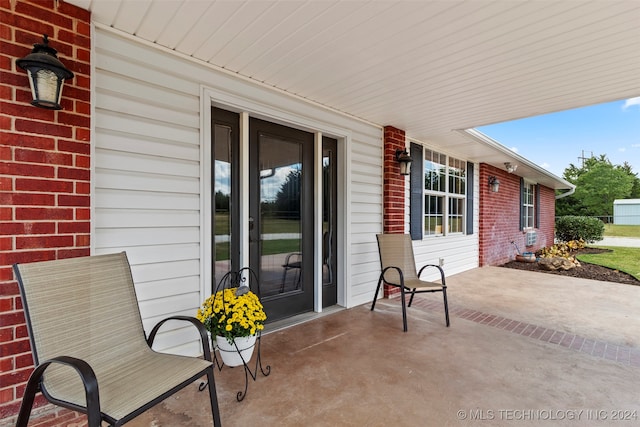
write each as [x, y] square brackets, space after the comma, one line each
[46, 75]
[405, 161]
[494, 184]
[510, 168]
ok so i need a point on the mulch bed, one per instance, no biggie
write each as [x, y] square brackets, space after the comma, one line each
[585, 271]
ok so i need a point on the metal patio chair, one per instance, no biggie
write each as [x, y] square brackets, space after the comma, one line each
[399, 269]
[293, 261]
[89, 345]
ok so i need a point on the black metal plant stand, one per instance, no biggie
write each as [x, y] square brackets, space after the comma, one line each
[243, 277]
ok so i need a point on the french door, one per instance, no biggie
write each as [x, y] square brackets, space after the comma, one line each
[281, 237]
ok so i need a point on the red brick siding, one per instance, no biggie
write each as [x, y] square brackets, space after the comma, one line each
[44, 174]
[394, 187]
[394, 183]
[547, 226]
[500, 218]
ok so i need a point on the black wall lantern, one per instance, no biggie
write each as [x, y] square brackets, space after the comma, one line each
[494, 184]
[46, 75]
[405, 161]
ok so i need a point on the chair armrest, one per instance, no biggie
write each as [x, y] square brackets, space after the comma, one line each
[439, 268]
[400, 273]
[204, 337]
[89, 381]
[298, 256]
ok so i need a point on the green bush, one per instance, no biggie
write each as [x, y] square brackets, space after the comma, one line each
[573, 227]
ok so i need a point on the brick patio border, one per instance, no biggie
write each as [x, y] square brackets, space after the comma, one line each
[629, 356]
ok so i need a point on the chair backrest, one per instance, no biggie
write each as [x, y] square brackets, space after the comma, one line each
[396, 250]
[82, 307]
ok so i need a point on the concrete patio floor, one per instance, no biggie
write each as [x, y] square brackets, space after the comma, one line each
[523, 349]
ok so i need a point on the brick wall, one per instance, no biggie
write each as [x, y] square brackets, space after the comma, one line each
[394, 184]
[500, 218]
[394, 195]
[547, 226]
[44, 169]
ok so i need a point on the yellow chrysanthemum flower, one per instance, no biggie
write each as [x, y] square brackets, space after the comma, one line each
[232, 316]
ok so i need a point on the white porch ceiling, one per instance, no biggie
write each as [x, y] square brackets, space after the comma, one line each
[428, 67]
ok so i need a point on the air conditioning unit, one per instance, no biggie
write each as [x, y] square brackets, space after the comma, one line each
[532, 237]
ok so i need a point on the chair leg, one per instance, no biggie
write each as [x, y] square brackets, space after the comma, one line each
[413, 293]
[27, 401]
[404, 309]
[94, 417]
[375, 297]
[298, 278]
[213, 396]
[446, 305]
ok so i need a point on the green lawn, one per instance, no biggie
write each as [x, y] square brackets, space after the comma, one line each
[269, 225]
[612, 230]
[269, 247]
[622, 259]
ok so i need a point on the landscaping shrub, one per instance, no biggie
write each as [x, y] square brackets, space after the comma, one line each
[573, 227]
[563, 250]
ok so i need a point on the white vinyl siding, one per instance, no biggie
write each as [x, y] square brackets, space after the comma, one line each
[459, 252]
[147, 183]
[626, 211]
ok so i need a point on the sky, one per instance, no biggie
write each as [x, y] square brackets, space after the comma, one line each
[554, 141]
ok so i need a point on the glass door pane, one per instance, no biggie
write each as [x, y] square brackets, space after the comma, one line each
[329, 221]
[222, 200]
[225, 177]
[281, 238]
[280, 215]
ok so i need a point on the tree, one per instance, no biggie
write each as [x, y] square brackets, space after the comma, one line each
[635, 190]
[598, 183]
[222, 201]
[288, 198]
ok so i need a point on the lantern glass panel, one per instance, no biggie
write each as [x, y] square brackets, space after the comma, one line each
[46, 88]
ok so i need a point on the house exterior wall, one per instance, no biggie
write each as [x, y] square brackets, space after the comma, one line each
[547, 226]
[150, 169]
[394, 191]
[459, 252]
[500, 218]
[626, 212]
[395, 185]
[44, 169]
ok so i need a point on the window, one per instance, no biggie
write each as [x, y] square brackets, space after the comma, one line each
[528, 197]
[444, 194]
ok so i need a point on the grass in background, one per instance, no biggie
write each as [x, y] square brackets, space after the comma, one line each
[613, 230]
[620, 258]
[269, 225]
[269, 247]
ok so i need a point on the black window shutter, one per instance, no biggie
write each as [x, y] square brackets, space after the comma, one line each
[416, 189]
[522, 211]
[469, 228]
[536, 207]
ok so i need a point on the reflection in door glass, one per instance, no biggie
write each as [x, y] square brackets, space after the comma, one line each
[222, 199]
[327, 220]
[280, 211]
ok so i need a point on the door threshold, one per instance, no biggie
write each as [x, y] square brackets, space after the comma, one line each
[279, 325]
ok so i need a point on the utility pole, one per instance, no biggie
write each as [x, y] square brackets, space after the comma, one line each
[583, 158]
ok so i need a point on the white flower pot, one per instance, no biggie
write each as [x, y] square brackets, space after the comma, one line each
[234, 354]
